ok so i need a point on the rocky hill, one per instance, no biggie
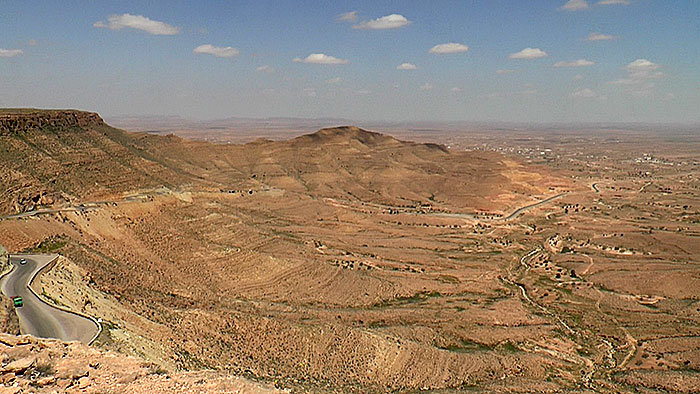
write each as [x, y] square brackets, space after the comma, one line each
[22, 121]
[48, 158]
[55, 157]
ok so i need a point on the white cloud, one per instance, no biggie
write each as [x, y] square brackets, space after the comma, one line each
[10, 52]
[504, 71]
[363, 92]
[348, 16]
[450, 47]
[613, 2]
[584, 93]
[216, 51]
[265, 68]
[32, 42]
[309, 92]
[455, 89]
[599, 37]
[528, 53]
[406, 66]
[139, 22]
[393, 21]
[426, 86]
[320, 58]
[641, 65]
[575, 5]
[575, 63]
[640, 74]
[334, 80]
[577, 77]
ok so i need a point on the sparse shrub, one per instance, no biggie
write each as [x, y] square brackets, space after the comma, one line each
[155, 369]
[44, 369]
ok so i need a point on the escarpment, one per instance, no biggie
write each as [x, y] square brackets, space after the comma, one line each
[22, 121]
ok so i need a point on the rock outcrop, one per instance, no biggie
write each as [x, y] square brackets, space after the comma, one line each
[31, 365]
[22, 121]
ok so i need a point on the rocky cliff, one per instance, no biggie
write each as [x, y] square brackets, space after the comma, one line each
[50, 157]
[24, 120]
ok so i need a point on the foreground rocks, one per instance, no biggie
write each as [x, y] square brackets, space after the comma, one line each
[31, 365]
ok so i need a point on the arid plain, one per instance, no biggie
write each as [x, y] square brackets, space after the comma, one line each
[474, 259]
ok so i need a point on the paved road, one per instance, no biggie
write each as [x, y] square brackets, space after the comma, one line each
[36, 317]
[79, 208]
[509, 217]
[537, 204]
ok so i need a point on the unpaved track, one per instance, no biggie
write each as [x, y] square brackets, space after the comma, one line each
[37, 317]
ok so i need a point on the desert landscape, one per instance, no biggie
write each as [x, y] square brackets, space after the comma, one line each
[352, 261]
[358, 197]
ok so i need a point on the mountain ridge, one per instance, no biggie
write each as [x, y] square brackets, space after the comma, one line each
[22, 120]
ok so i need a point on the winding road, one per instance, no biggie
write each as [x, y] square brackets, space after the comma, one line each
[513, 215]
[37, 317]
[534, 205]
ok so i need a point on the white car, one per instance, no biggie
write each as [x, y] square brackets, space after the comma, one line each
[23, 261]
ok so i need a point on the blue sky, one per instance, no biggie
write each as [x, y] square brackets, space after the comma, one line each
[252, 58]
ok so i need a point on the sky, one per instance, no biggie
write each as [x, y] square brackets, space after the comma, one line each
[469, 60]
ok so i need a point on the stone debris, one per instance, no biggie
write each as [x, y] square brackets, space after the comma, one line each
[43, 366]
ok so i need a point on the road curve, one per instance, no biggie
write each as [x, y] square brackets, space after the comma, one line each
[506, 218]
[37, 317]
[537, 204]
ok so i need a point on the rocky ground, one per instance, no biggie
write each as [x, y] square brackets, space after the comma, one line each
[31, 365]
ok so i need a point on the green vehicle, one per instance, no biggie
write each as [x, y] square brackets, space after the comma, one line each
[17, 301]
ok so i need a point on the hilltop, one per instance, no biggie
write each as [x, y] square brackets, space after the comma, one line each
[58, 156]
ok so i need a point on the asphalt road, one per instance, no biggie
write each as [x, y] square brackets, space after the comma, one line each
[509, 217]
[537, 204]
[37, 317]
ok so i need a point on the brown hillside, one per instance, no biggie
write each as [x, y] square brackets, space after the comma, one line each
[52, 157]
[320, 262]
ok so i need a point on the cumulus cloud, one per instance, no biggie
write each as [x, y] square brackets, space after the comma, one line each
[641, 65]
[333, 80]
[455, 89]
[363, 92]
[216, 51]
[265, 68]
[139, 22]
[348, 16]
[575, 63]
[577, 77]
[504, 71]
[528, 53]
[613, 2]
[393, 21]
[599, 37]
[575, 5]
[584, 93]
[640, 75]
[426, 86]
[406, 66]
[320, 58]
[450, 47]
[10, 52]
